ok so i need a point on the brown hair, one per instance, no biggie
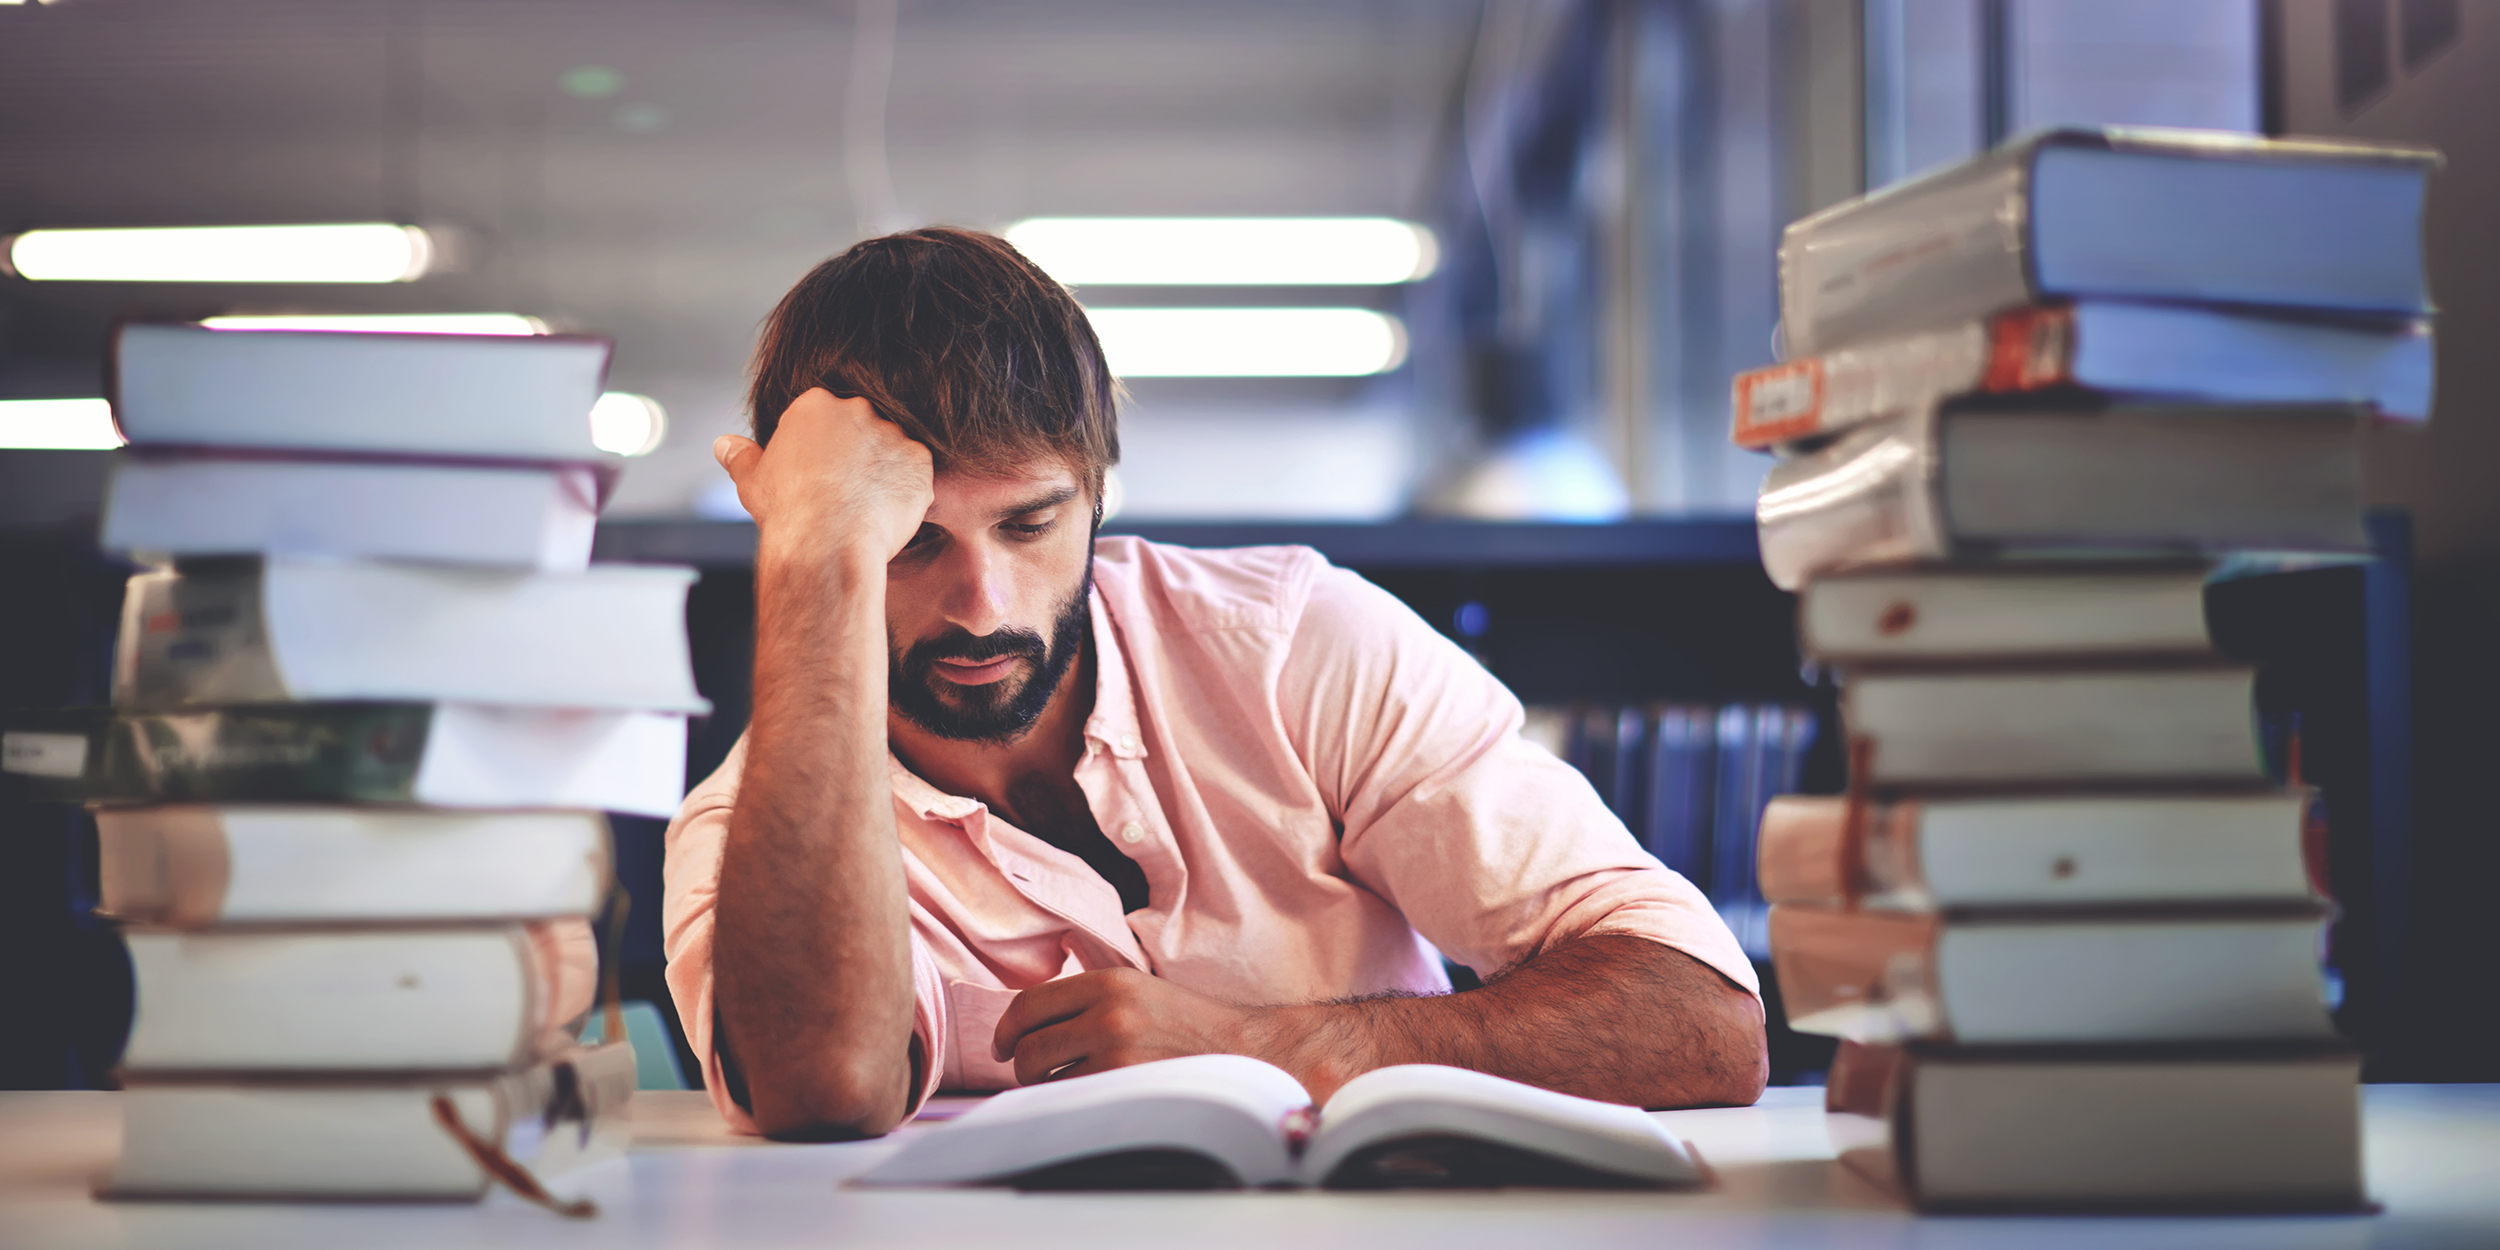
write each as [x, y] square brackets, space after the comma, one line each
[954, 336]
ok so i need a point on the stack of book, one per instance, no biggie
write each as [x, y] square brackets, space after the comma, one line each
[1690, 781]
[369, 705]
[2063, 919]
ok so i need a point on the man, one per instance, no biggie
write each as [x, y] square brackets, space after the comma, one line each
[1016, 803]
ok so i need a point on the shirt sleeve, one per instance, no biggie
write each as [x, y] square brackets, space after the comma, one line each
[689, 895]
[1491, 847]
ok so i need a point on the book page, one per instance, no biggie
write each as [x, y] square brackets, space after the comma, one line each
[1431, 1101]
[1229, 1109]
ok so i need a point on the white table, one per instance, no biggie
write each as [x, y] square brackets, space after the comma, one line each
[2433, 1151]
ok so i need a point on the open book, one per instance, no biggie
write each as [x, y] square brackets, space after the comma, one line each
[1225, 1121]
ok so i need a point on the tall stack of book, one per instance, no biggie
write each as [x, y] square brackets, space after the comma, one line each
[2063, 919]
[369, 705]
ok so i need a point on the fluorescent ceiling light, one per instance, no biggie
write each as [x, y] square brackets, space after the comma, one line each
[390, 323]
[1227, 251]
[627, 424]
[1248, 342]
[356, 252]
[57, 424]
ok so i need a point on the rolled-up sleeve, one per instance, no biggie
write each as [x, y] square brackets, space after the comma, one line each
[1491, 847]
[689, 902]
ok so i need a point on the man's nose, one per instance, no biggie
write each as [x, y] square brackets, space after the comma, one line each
[978, 594]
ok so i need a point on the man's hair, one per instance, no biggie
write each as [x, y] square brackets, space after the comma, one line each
[954, 336]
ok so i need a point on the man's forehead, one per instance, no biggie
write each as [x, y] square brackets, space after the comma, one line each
[1040, 484]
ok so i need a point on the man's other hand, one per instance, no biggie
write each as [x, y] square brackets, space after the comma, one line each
[1097, 1021]
[836, 473]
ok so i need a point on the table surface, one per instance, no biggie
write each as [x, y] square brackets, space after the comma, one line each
[2433, 1156]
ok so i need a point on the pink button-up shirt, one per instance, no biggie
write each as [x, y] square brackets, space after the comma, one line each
[1315, 783]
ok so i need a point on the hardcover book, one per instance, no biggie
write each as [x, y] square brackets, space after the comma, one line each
[2107, 347]
[1939, 852]
[369, 1138]
[1980, 483]
[516, 397]
[282, 629]
[2174, 216]
[2033, 977]
[434, 754]
[2103, 1129]
[517, 516]
[191, 866]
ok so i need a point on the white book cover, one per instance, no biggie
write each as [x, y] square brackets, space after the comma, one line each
[520, 516]
[370, 1139]
[431, 999]
[284, 629]
[192, 865]
[517, 397]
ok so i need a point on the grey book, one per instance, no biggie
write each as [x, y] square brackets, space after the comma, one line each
[1956, 483]
[2160, 215]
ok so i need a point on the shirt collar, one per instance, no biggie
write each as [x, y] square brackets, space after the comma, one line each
[1113, 725]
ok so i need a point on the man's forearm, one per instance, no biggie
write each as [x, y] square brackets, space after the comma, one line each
[811, 955]
[1610, 1016]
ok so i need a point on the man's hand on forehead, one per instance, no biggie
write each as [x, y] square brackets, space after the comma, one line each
[836, 474]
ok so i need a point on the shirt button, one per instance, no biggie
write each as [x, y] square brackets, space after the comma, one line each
[1128, 742]
[1132, 833]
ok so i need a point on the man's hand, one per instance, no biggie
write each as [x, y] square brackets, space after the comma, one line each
[836, 472]
[1096, 1021]
[1609, 1016]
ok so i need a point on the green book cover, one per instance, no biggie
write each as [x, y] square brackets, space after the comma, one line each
[290, 752]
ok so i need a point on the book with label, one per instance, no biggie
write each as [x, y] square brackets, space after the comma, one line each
[2034, 977]
[171, 504]
[1228, 1121]
[1978, 482]
[368, 1139]
[2110, 348]
[2136, 1128]
[1995, 614]
[466, 755]
[282, 629]
[191, 866]
[443, 998]
[2081, 726]
[1940, 852]
[2169, 216]
[516, 397]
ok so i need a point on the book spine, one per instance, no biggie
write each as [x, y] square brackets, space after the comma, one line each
[2018, 350]
[1869, 496]
[163, 865]
[1806, 854]
[1868, 976]
[1931, 253]
[188, 638]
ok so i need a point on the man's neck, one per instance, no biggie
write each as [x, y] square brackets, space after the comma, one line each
[992, 772]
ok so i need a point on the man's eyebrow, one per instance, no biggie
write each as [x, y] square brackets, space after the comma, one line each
[1053, 499]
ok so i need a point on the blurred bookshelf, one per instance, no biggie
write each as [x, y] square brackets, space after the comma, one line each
[1704, 540]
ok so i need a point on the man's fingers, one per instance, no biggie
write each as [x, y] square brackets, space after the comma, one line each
[1044, 1004]
[1046, 1050]
[735, 452]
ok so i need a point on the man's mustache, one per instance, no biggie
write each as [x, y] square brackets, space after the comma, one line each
[958, 644]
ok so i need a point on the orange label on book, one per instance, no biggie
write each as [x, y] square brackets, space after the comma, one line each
[1779, 403]
[2030, 348]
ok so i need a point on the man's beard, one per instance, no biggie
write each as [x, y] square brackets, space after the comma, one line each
[998, 712]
